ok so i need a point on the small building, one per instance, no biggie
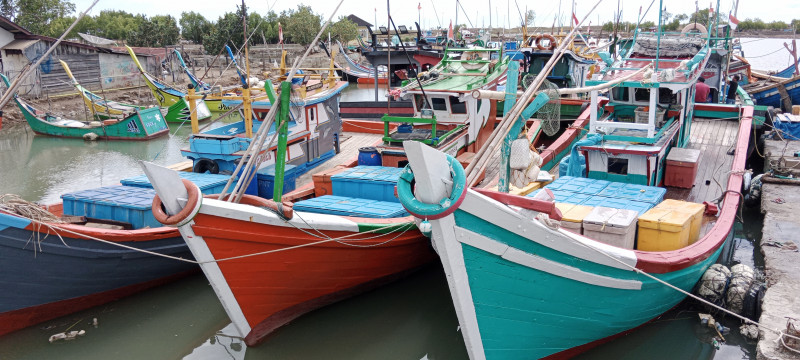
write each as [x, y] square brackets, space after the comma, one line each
[363, 26]
[92, 66]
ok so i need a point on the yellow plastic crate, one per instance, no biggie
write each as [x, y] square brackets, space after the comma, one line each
[572, 216]
[694, 209]
[664, 230]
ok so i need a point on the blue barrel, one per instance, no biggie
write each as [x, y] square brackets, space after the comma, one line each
[369, 156]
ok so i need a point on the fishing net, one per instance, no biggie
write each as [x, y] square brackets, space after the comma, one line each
[550, 113]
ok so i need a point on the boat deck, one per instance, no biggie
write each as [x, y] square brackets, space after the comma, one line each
[348, 151]
[715, 138]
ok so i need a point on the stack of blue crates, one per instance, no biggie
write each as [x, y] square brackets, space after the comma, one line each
[361, 191]
[367, 182]
[266, 180]
[118, 203]
[348, 206]
[594, 192]
[208, 183]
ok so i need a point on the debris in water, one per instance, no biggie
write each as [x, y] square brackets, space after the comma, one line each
[66, 336]
[94, 322]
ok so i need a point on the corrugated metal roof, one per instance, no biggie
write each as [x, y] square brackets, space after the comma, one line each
[20, 44]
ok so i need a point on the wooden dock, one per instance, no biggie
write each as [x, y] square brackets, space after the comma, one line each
[780, 204]
[348, 152]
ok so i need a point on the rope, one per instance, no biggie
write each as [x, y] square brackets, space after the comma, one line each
[327, 239]
[753, 57]
[706, 302]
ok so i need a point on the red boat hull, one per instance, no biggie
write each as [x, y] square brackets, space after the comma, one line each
[274, 289]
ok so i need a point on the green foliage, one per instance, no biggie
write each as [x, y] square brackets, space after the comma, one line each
[343, 30]
[194, 26]
[8, 8]
[672, 25]
[302, 25]
[113, 24]
[795, 24]
[777, 25]
[37, 15]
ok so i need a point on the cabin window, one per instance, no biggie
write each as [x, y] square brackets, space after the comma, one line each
[439, 104]
[641, 94]
[619, 94]
[617, 166]
[666, 96]
[457, 107]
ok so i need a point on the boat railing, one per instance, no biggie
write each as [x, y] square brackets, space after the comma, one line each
[434, 140]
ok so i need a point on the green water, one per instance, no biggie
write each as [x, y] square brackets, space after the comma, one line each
[410, 319]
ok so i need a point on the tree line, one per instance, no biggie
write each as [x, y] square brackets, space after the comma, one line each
[53, 17]
[674, 22]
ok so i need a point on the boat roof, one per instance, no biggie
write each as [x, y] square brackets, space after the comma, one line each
[464, 73]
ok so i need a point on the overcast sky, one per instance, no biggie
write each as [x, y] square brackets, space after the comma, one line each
[477, 11]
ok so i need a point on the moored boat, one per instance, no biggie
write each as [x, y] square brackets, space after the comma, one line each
[530, 278]
[143, 124]
[100, 107]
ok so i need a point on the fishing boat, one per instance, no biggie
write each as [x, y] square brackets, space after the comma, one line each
[531, 276]
[272, 258]
[94, 247]
[446, 116]
[167, 96]
[197, 83]
[143, 124]
[313, 132]
[355, 72]
[775, 91]
[101, 107]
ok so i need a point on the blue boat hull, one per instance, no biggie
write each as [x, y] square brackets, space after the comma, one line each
[45, 276]
[772, 97]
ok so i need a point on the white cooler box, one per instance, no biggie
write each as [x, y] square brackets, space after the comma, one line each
[611, 226]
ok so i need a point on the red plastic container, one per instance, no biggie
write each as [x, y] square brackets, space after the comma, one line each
[681, 167]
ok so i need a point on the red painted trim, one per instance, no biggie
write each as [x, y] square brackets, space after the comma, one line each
[19, 319]
[717, 107]
[376, 110]
[371, 80]
[669, 261]
[523, 202]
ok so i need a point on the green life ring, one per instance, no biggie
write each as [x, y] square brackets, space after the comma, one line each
[446, 206]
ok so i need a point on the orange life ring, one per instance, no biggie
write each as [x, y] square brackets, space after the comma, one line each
[191, 208]
[283, 209]
[548, 37]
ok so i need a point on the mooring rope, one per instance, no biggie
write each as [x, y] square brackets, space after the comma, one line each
[405, 227]
[704, 301]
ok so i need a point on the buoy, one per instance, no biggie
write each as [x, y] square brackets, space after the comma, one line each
[713, 283]
[426, 228]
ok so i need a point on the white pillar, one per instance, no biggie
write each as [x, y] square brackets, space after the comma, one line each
[593, 112]
[651, 115]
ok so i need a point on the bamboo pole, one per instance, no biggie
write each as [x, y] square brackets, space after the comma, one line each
[495, 139]
[13, 88]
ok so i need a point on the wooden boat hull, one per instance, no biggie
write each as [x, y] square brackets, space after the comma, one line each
[141, 125]
[523, 290]
[268, 291]
[46, 277]
[771, 95]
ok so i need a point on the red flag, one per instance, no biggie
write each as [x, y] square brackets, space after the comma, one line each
[734, 21]
[450, 31]
[280, 33]
[419, 6]
[710, 9]
[575, 18]
[589, 28]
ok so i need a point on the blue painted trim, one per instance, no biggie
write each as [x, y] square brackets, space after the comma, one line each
[7, 221]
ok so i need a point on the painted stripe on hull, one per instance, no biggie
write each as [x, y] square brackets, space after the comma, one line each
[44, 271]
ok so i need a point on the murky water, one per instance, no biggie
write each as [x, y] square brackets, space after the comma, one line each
[766, 54]
[410, 319]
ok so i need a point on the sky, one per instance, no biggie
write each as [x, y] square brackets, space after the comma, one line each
[434, 13]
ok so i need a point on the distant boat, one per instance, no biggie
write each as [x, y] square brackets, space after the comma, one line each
[136, 125]
[167, 96]
[101, 107]
[771, 90]
[197, 83]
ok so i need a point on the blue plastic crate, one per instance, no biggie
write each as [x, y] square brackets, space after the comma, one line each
[118, 203]
[618, 203]
[266, 180]
[650, 194]
[348, 206]
[567, 197]
[578, 185]
[208, 183]
[367, 182]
